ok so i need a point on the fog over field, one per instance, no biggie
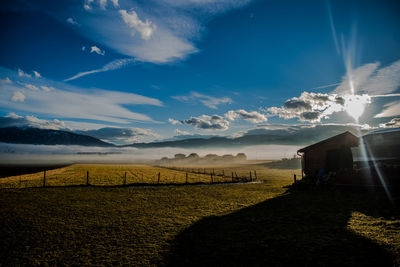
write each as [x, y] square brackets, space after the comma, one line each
[39, 153]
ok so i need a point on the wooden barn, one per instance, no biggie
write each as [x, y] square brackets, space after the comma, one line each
[328, 155]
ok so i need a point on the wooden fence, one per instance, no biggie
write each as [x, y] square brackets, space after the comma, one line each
[188, 176]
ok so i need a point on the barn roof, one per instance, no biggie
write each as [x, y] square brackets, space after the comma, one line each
[353, 141]
[383, 131]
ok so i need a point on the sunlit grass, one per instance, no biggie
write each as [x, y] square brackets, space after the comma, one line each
[106, 175]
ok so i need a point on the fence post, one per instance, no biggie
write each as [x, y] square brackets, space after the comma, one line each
[186, 177]
[294, 177]
[87, 178]
[255, 175]
[158, 178]
[44, 178]
[251, 178]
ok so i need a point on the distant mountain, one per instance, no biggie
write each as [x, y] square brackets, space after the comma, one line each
[247, 140]
[293, 135]
[284, 135]
[187, 136]
[28, 135]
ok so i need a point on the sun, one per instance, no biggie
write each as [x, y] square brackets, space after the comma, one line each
[355, 105]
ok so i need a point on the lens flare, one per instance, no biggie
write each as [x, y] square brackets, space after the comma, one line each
[355, 109]
[355, 105]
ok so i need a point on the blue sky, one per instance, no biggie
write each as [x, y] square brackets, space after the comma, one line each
[162, 68]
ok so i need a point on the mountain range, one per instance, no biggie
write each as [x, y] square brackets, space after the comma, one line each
[36, 136]
[293, 135]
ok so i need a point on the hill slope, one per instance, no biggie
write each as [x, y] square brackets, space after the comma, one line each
[27, 135]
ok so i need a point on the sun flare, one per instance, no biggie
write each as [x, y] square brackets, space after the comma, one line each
[355, 105]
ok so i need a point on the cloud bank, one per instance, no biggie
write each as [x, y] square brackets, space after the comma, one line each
[206, 122]
[220, 123]
[312, 107]
[254, 116]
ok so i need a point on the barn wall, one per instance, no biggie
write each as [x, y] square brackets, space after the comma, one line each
[315, 158]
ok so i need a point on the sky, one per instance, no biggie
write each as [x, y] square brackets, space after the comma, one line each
[137, 71]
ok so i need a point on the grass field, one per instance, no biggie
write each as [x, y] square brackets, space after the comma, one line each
[109, 175]
[231, 224]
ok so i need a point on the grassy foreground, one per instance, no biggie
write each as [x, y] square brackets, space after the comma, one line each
[114, 175]
[241, 224]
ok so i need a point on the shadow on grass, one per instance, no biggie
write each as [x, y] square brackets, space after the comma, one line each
[7, 170]
[300, 228]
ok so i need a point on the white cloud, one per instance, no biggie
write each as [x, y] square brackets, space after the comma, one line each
[13, 119]
[166, 31]
[179, 132]
[390, 110]
[72, 21]
[97, 105]
[30, 86]
[173, 122]
[84, 126]
[120, 135]
[13, 116]
[205, 122]
[88, 5]
[208, 101]
[66, 101]
[254, 116]
[113, 65]
[6, 80]
[21, 73]
[18, 97]
[370, 79]
[103, 4]
[115, 3]
[393, 123]
[47, 88]
[145, 28]
[37, 74]
[97, 50]
[222, 123]
[313, 107]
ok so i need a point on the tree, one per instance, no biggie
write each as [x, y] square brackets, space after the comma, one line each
[193, 156]
[179, 156]
[241, 156]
